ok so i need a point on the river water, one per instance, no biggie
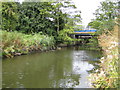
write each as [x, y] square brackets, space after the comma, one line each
[65, 68]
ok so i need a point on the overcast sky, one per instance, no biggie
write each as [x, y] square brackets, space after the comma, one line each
[87, 8]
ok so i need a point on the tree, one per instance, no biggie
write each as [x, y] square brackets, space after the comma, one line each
[105, 16]
[35, 17]
[9, 16]
[95, 24]
[106, 11]
[65, 19]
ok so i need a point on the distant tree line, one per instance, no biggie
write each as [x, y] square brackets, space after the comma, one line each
[39, 17]
[105, 16]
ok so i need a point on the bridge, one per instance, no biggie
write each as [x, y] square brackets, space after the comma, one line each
[83, 34]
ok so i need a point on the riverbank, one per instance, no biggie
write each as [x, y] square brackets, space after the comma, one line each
[107, 76]
[16, 43]
[65, 68]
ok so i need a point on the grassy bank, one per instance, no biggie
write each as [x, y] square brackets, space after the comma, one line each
[14, 43]
[107, 76]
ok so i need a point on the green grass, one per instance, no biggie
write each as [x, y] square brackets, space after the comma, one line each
[15, 43]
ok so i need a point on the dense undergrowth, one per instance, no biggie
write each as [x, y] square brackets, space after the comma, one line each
[107, 76]
[93, 44]
[14, 43]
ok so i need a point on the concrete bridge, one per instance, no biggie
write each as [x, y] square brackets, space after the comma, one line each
[83, 34]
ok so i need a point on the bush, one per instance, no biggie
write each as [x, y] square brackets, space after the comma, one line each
[14, 43]
[108, 73]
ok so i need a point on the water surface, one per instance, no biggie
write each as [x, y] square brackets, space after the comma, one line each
[65, 68]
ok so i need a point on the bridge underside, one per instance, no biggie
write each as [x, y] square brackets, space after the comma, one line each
[82, 36]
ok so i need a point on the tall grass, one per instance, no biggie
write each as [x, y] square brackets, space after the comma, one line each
[14, 43]
[107, 76]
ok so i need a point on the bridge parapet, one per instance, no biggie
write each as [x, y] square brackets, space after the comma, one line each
[84, 32]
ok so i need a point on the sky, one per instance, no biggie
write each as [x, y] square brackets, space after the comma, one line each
[87, 8]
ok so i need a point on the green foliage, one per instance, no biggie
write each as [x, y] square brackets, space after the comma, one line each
[9, 16]
[106, 11]
[105, 16]
[34, 17]
[108, 75]
[64, 34]
[95, 24]
[93, 43]
[63, 16]
[14, 43]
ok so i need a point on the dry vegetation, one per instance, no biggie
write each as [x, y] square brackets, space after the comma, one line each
[107, 76]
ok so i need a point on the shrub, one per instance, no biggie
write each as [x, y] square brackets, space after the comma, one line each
[109, 73]
[14, 43]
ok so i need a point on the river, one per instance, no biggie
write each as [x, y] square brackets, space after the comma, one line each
[65, 68]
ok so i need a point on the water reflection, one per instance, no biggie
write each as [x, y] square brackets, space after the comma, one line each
[66, 68]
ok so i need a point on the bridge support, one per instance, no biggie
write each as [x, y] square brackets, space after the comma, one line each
[85, 38]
